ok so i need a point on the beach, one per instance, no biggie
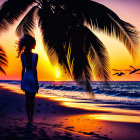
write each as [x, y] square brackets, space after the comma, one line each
[55, 119]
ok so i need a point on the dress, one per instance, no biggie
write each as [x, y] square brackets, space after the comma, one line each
[29, 82]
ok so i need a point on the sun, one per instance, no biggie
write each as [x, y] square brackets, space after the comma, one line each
[57, 73]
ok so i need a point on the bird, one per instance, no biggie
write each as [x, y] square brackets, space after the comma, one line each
[119, 74]
[133, 71]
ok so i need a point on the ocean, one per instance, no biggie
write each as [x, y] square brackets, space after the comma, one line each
[121, 94]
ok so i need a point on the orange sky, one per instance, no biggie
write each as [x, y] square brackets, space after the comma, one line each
[119, 57]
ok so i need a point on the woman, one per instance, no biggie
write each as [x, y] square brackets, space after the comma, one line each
[29, 82]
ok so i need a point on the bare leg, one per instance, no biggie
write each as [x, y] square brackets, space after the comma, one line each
[27, 105]
[32, 97]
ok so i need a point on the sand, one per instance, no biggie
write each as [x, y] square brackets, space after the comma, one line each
[53, 120]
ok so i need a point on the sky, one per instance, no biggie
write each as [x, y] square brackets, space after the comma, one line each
[127, 10]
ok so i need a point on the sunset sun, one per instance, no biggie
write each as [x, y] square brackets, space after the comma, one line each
[57, 73]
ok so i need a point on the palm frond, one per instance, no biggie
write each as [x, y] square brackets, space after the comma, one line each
[11, 10]
[53, 35]
[63, 33]
[55, 23]
[58, 38]
[3, 63]
[3, 60]
[1, 50]
[83, 44]
[2, 54]
[27, 24]
[98, 56]
[100, 17]
[2, 70]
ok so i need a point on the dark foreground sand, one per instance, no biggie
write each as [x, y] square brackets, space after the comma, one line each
[57, 122]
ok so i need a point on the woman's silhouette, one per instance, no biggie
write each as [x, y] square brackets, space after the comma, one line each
[29, 82]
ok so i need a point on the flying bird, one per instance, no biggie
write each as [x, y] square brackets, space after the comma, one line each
[119, 74]
[134, 70]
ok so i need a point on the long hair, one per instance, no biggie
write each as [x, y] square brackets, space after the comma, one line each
[26, 42]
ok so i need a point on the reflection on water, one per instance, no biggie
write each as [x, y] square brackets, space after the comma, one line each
[119, 118]
[80, 99]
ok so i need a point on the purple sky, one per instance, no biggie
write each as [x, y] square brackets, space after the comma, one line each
[127, 10]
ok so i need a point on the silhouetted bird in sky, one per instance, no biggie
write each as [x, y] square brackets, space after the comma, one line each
[119, 74]
[133, 71]
[66, 27]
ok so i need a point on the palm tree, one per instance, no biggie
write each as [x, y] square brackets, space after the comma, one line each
[3, 60]
[65, 34]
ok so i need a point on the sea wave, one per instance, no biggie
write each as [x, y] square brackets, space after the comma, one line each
[117, 95]
[129, 89]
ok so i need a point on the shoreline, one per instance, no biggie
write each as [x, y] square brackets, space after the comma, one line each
[76, 104]
[52, 119]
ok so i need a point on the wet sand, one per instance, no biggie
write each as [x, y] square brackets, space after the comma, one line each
[53, 120]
